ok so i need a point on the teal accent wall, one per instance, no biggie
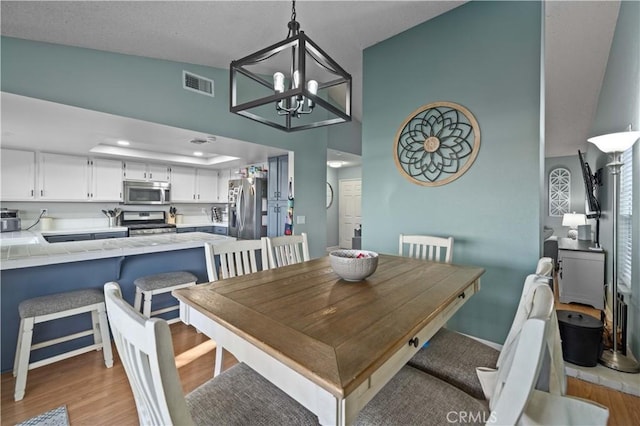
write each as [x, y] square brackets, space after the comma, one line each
[485, 56]
[619, 106]
[151, 89]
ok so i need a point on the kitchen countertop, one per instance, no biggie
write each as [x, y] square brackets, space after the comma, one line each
[27, 248]
[203, 223]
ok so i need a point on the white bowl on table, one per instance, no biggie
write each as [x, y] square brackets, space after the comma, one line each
[353, 265]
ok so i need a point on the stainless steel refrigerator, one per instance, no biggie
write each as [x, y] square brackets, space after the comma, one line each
[248, 208]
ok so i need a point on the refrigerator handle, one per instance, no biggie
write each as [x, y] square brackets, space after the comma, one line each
[240, 209]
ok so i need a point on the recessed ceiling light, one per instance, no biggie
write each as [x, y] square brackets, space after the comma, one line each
[335, 164]
[197, 153]
[123, 142]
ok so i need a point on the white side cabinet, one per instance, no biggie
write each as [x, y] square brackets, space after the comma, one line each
[581, 273]
[63, 178]
[18, 175]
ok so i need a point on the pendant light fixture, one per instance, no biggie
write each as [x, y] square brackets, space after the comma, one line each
[291, 85]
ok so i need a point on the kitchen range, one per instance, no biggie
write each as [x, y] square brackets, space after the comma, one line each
[141, 223]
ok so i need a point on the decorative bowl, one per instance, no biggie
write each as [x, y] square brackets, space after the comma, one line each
[353, 265]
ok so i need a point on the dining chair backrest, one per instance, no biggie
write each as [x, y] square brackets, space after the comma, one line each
[146, 350]
[545, 267]
[287, 250]
[516, 381]
[235, 258]
[427, 247]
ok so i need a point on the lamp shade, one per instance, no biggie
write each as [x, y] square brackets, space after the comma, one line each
[615, 142]
[572, 220]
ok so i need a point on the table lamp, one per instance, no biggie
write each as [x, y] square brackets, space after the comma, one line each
[573, 220]
[615, 144]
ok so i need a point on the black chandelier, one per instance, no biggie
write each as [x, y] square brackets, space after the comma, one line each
[308, 89]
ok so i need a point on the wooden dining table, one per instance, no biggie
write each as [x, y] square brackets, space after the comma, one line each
[328, 343]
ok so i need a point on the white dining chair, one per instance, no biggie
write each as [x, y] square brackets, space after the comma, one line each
[235, 258]
[232, 259]
[239, 396]
[415, 397]
[426, 247]
[287, 250]
[453, 357]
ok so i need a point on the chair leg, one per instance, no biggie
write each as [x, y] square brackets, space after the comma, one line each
[137, 301]
[146, 311]
[97, 338]
[18, 346]
[217, 369]
[106, 339]
[24, 352]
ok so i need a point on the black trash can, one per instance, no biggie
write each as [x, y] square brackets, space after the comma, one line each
[581, 336]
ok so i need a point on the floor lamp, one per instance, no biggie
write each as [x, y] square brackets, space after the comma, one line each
[615, 144]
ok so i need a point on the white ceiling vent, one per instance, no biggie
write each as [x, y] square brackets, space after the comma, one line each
[197, 84]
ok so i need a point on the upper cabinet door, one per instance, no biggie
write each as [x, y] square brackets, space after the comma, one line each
[18, 175]
[107, 180]
[278, 178]
[158, 172]
[183, 184]
[64, 177]
[134, 171]
[223, 185]
[146, 171]
[207, 186]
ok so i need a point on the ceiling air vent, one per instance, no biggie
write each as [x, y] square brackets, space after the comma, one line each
[197, 84]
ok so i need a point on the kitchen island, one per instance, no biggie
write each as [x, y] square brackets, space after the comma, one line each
[31, 267]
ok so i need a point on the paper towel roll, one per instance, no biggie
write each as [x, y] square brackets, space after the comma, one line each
[46, 223]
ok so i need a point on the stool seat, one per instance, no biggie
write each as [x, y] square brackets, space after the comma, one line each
[52, 307]
[45, 305]
[167, 279]
[150, 285]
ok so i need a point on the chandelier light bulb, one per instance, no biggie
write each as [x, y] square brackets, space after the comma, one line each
[278, 82]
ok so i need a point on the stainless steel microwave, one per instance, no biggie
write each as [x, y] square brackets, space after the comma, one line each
[142, 192]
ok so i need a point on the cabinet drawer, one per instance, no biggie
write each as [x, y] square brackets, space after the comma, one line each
[220, 230]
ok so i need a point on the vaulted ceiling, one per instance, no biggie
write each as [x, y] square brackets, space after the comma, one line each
[577, 39]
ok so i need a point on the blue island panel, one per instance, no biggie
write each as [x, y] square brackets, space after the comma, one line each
[17, 285]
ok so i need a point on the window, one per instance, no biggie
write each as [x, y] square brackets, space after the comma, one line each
[559, 191]
[624, 219]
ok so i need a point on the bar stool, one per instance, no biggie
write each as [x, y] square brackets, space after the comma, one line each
[52, 307]
[157, 284]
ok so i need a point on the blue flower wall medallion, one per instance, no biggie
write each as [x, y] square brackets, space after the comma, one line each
[437, 143]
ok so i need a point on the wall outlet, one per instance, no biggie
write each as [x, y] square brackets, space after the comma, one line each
[203, 210]
[44, 212]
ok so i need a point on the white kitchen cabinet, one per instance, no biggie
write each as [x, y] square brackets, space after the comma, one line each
[580, 273]
[146, 171]
[18, 175]
[63, 178]
[224, 176]
[183, 184]
[106, 180]
[159, 172]
[206, 186]
[189, 185]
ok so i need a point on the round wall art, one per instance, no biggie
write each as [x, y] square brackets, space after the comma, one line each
[437, 143]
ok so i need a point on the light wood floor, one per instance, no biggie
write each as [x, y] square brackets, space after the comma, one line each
[95, 395]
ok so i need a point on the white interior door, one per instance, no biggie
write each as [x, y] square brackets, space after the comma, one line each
[350, 209]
